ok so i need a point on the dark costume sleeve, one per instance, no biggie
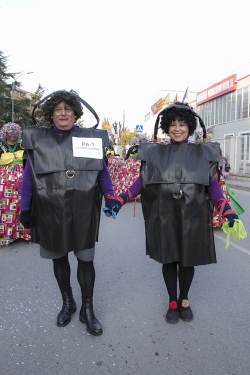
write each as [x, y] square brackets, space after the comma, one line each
[215, 192]
[135, 188]
[104, 181]
[27, 187]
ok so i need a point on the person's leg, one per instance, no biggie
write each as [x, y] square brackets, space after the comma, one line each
[86, 279]
[62, 275]
[186, 275]
[169, 271]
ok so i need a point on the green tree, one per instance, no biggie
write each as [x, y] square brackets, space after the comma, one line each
[22, 107]
[126, 137]
[5, 91]
[22, 112]
[35, 98]
[37, 95]
[106, 125]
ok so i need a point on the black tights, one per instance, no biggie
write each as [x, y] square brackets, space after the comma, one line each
[170, 273]
[85, 275]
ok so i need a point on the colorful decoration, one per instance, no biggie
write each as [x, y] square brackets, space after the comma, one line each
[216, 222]
[238, 208]
[142, 138]
[238, 231]
[10, 187]
[123, 173]
[199, 136]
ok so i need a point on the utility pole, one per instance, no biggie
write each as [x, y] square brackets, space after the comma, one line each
[123, 123]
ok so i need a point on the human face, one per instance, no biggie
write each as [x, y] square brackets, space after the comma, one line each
[63, 116]
[12, 137]
[178, 131]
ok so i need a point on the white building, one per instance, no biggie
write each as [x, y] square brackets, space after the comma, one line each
[225, 110]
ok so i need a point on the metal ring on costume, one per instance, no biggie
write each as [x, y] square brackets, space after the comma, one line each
[70, 174]
[178, 196]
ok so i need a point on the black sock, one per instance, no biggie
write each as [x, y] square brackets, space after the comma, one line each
[169, 271]
[186, 275]
[62, 273]
[86, 277]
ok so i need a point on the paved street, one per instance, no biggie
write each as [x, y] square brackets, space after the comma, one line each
[131, 302]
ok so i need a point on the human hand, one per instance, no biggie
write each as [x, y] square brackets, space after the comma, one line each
[26, 219]
[113, 204]
[231, 215]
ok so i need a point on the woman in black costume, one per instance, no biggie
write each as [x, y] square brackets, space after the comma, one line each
[178, 190]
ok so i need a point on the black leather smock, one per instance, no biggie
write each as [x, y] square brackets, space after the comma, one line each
[66, 210]
[178, 230]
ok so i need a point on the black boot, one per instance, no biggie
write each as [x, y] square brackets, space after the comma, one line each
[68, 308]
[87, 317]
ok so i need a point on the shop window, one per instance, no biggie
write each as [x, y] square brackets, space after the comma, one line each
[233, 106]
[224, 108]
[220, 110]
[216, 112]
[242, 145]
[208, 113]
[197, 110]
[201, 111]
[212, 112]
[227, 143]
[229, 101]
[239, 104]
[249, 104]
[245, 102]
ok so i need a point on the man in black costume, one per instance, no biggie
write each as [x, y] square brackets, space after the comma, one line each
[64, 180]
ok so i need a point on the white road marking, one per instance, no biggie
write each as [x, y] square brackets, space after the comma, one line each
[233, 244]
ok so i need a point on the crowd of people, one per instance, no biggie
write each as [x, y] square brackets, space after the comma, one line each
[61, 197]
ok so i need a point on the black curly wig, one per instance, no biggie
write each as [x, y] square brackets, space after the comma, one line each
[177, 113]
[58, 97]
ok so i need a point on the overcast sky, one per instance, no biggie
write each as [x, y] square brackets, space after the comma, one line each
[118, 54]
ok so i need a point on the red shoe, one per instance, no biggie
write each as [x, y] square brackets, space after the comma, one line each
[172, 315]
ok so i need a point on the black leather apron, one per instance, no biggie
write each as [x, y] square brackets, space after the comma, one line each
[175, 203]
[66, 199]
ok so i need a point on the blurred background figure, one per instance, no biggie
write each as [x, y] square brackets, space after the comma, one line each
[132, 150]
[11, 174]
[225, 168]
[134, 144]
[110, 151]
[127, 148]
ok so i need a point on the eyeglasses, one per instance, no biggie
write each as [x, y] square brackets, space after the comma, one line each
[67, 110]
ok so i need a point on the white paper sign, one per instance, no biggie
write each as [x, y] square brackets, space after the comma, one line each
[87, 148]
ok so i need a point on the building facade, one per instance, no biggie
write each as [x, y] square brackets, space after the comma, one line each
[225, 110]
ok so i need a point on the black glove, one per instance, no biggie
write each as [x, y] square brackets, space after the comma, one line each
[26, 219]
[231, 216]
[114, 204]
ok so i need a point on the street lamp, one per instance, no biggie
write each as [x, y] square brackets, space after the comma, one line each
[12, 94]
